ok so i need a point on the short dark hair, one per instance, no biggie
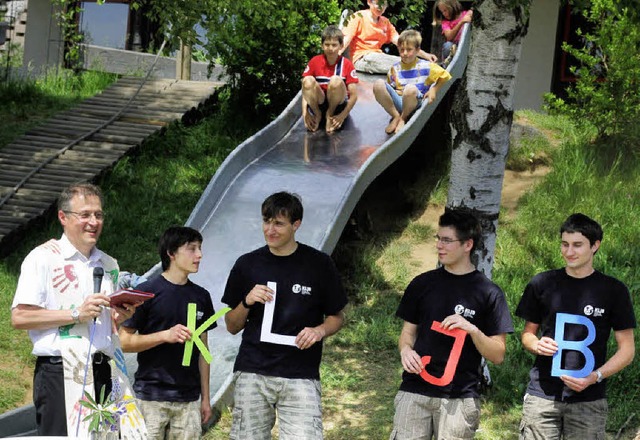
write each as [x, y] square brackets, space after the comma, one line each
[77, 189]
[464, 222]
[334, 32]
[172, 239]
[586, 226]
[282, 203]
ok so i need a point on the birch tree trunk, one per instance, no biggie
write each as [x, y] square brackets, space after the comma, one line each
[482, 114]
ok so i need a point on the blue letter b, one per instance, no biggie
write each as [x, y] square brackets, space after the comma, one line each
[582, 346]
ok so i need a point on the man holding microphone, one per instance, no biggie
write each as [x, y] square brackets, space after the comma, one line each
[62, 300]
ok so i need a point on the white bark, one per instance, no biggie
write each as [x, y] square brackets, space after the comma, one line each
[482, 114]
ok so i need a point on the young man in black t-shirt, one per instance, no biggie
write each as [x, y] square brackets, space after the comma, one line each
[569, 315]
[287, 297]
[453, 316]
[174, 399]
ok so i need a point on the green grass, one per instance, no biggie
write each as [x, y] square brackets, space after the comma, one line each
[536, 148]
[159, 184]
[154, 187]
[594, 180]
[25, 103]
[377, 267]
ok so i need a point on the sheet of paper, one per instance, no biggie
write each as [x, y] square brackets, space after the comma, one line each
[267, 322]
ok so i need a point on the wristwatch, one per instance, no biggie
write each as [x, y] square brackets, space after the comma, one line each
[75, 314]
[600, 377]
[244, 303]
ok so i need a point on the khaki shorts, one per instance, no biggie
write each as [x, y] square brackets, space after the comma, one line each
[258, 398]
[171, 420]
[421, 417]
[544, 419]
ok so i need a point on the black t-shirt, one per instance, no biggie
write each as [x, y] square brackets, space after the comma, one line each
[308, 289]
[433, 296]
[602, 299]
[160, 375]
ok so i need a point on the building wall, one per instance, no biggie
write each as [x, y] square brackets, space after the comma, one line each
[43, 43]
[535, 70]
[16, 19]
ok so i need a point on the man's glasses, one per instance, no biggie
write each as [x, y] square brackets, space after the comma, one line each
[85, 216]
[445, 240]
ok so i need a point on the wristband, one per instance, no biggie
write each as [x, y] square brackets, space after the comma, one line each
[599, 376]
[244, 303]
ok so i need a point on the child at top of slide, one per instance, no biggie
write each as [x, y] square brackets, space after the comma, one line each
[450, 15]
[366, 32]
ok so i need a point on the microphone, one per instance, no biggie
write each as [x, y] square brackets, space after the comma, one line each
[98, 273]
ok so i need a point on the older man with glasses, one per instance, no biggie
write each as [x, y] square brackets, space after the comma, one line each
[453, 317]
[62, 300]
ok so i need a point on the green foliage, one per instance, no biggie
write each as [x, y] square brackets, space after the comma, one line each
[264, 45]
[101, 415]
[606, 94]
[67, 13]
[25, 102]
[11, 57]
[177, 19]
[402, 13]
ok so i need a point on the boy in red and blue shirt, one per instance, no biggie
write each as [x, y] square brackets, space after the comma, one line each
[328, 85]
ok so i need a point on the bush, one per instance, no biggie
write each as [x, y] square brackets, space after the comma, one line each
[264, 45]
[606, 93]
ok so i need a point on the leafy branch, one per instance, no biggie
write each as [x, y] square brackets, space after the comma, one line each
[102, 415]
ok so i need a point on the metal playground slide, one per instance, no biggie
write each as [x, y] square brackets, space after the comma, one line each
[329, 173]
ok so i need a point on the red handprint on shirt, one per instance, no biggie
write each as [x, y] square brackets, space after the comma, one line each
[65, 276]
[52, 246]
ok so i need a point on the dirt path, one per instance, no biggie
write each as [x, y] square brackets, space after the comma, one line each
[515, 184]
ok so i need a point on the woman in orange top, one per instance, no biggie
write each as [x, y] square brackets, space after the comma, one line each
[365, 34]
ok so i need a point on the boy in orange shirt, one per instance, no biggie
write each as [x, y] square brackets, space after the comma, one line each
[365, 34]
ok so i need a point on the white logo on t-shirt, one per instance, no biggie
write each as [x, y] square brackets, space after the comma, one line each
[595, 311]
[462, 310]
[303, 290]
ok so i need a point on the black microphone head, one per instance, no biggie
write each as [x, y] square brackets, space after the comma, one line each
[98, 273]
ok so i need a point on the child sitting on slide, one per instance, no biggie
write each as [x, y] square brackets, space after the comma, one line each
[328, 85]
[366, 32]
[449, 14]
[409, 82]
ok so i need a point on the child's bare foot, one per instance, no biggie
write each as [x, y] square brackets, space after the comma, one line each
[399, 126]
[333, 124]
[391, 128]
[311, 122]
